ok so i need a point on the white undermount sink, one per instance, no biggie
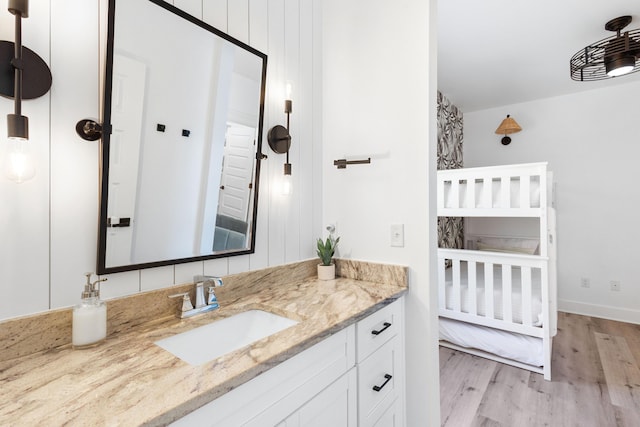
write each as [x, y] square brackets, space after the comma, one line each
[218, 338]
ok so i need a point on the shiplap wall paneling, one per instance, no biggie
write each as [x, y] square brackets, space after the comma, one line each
[215, 13]
[238, 20]
[183, 273]
[315, 130]
[49, 231]
[237, 27]
[277, 210]
[306, 165]
[291, 61]
[155, 278]
[24, 225]
[259, 39]
[128, 282]
[192, 7]
[75, 163]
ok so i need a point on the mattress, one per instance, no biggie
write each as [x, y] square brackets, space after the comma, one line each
[516, 294]
[496, 194]
[509, 345]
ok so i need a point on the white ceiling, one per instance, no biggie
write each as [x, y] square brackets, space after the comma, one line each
[501, 52]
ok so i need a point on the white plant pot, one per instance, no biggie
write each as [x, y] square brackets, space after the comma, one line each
[326, 272]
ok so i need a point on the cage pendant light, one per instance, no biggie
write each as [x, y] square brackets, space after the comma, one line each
[611, 57]
[507, 127]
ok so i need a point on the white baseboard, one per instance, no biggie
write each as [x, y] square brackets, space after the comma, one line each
[602, 311]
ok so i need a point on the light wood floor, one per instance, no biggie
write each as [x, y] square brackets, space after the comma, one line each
[595, 382]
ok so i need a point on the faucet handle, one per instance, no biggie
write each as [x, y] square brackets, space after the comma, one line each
[186, 301]
[215, 282]
[211, 296]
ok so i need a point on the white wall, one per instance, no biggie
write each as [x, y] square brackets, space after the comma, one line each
[379, 102]
[590, 140]
[49, 225]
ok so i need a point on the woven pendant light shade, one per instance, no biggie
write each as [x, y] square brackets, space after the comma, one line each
[508, 126]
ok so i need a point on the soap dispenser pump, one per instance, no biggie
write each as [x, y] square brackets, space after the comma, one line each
[89, 326]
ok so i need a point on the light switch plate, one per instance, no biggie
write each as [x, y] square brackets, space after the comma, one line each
[397, 235]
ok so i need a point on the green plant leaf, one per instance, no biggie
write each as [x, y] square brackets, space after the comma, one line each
[326, 249]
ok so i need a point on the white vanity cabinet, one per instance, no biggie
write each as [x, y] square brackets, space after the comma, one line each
[380, 364]
[333, 406]
[329, 384]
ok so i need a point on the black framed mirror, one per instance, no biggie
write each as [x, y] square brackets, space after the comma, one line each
[181, 146]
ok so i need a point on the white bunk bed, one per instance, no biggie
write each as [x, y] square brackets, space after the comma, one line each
[500, 302]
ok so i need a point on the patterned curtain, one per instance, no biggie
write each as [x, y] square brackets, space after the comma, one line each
[450, 230]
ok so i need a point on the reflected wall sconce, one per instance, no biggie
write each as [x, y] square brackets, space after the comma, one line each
[507, 127]
[23, 75]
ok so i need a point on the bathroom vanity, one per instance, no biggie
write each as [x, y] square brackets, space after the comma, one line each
[353, 378]
[348, 340]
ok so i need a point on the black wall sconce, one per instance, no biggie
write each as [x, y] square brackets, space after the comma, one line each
[507, 127]
[279, 140]
[89, 129]
[23, 75]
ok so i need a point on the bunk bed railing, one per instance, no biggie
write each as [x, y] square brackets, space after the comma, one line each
[501, 290]
[493, 191]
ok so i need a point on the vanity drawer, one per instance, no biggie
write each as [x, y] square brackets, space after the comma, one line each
[379, 382]
[377, 329]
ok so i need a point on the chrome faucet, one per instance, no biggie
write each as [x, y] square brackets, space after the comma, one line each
[201, 305]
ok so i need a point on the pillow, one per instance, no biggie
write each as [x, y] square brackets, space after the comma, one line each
[509, 249]
[530, 243]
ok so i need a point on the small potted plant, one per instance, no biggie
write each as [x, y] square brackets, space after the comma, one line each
[326, 249]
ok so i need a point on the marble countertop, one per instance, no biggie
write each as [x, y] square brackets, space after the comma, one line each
[128, 380]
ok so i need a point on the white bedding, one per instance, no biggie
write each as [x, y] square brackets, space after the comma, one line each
[496, 195]
[516, 294]
[522, 348]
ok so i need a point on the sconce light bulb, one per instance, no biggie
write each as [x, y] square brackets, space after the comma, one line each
[288, 89]
[19, 165]
[288, 104]
[286, 185]
[286, 180]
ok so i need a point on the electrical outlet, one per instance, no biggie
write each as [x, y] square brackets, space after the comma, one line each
[615, 285]
[585, 282]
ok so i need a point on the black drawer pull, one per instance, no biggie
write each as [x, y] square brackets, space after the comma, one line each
[379, 387]
[385, 324]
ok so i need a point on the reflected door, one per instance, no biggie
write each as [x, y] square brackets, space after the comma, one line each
[124, 154]
[237, 171]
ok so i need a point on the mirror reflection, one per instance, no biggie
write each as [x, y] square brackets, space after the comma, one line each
[184, 103]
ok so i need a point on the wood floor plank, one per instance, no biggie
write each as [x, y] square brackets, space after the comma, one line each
[578, 383]
[485, 422]
[464, 386]
[575, 356]
[620, 370]
[578, 404]
[508, 397]
[630, 332]
[590, 370]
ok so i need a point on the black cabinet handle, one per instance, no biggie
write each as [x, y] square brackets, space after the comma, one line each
[379, 387]
[385, 324]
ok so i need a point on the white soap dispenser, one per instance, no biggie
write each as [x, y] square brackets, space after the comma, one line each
[89, 316]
